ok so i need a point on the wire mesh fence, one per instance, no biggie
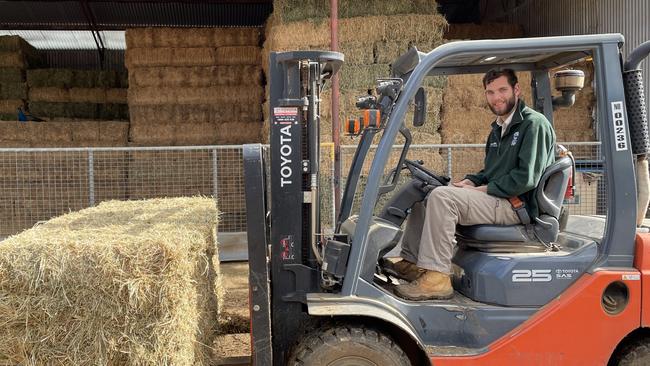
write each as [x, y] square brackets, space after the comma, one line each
[38, 184]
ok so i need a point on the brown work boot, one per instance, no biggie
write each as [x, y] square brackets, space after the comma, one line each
[431, 285]
[403, 270]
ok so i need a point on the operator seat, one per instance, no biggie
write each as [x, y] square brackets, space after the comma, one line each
[512, 238]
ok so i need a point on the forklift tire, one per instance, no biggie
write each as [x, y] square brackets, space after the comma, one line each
[348, 346]
[636, 353]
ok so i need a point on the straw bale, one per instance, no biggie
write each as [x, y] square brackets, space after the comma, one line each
[88, 95]
[241, 36]
[13, 43]
[149, 134]
[191, 37]
[49, 94]
[294, 10]
[416, 28]
[575, 135]
[192, 96]
[116, 95]
[9, 116]
[139, 37]
[483, 31]
[239, 55]
[389, 51]
[61, 78]
[197, 113]
[13, 91]
[239, 132]
[171, 57]
[362, 76]
[12, 75]
[80, 110]
[182, 37]
[159, 292]
[114, 131]
[12, 59]
[232, 75]
[195, 134]
[10, 105]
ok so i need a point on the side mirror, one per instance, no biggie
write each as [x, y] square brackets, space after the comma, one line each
[420, 102]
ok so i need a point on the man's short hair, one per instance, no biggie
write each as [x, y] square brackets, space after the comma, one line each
[497, 73]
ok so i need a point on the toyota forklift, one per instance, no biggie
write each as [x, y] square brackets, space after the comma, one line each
[560, 290]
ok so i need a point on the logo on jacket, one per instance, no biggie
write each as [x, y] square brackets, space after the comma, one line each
[515, 138]
[494, 144]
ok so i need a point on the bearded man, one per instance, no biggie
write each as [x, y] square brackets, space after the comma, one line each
[518, 150]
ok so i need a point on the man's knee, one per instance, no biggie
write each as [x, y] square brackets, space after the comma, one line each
[442, 193]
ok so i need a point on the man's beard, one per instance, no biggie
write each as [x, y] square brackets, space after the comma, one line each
[510, 104]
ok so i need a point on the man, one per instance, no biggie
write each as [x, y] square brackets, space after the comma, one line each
[518, 150]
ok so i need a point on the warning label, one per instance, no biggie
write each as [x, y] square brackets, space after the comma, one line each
[285, 115]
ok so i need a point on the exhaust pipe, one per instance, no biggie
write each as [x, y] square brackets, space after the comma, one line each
[638, 125]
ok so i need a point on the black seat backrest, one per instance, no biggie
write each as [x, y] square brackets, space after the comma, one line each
[552, 187]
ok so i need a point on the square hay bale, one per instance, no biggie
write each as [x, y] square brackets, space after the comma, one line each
[239, 55]
[192, 134]
[192, 96]
[114, 132]
[12, 59]
[139, 38]
[244, 132]
[10, 106]
[60, 78]
[12, 75]
[197, 113]
[240, 36]
[231, 75]
[13, 91]
[153, 262]
[150, 134]
[293, 10]
[171, 57]
[361, 77]
[49, 94]
[88, 95]
[116, 95]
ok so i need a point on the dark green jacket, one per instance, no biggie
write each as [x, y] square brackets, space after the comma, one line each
[515, 162]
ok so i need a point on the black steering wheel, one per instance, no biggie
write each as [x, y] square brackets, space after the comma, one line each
[423, 174]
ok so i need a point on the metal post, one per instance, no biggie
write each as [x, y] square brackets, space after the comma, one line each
[335, 110]
[215, 175]
[449, 162]
[91, 178]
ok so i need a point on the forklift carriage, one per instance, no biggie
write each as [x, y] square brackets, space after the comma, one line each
[559, 291]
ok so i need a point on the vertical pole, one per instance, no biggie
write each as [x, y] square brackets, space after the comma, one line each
[334, 24]
[91, 178]
[214, 174]
[449, 162]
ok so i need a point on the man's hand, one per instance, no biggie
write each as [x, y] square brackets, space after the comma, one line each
[464, 183]
[479, 188]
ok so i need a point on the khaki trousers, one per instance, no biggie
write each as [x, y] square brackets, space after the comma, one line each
[429, 237]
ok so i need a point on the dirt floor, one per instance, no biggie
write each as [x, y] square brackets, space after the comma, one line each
[233, 340]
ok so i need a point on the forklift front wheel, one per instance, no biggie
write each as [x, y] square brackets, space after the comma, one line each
[348, 346]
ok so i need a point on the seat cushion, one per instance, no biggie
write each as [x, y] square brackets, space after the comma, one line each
[496, 233]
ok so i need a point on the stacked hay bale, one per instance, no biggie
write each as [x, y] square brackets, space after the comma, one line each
[16, 56]
[195, 86]
[371, 35]
[74, 94]
[122, 283]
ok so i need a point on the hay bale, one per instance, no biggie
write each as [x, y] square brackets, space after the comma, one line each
[483, 31]
[88, 95]
[362, 76]
[149, 134]
[192, 96]
[12, 75]
[10, 106]
[294, 10]
[197, 113]
[12, 59]
[49, 94]
[415, 28]
[158, 291]
[114, 132]
[116, 95]
[60, 78]
[240, 36]
[171, 57]
[231, 75]
[238, 55]
[191, 37]
[13, 91]
[80, 110]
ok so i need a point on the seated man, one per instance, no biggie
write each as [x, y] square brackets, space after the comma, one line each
[518, 150]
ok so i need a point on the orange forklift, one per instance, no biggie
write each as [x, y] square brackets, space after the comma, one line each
[563, 290]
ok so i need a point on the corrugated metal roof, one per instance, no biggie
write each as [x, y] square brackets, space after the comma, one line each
[119, 15]
[69, 40]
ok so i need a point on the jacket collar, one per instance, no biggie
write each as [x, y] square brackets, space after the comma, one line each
[517, 117]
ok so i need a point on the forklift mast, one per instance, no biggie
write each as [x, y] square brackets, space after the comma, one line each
[297, 79]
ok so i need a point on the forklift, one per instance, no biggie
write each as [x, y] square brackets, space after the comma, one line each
[562, 290]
